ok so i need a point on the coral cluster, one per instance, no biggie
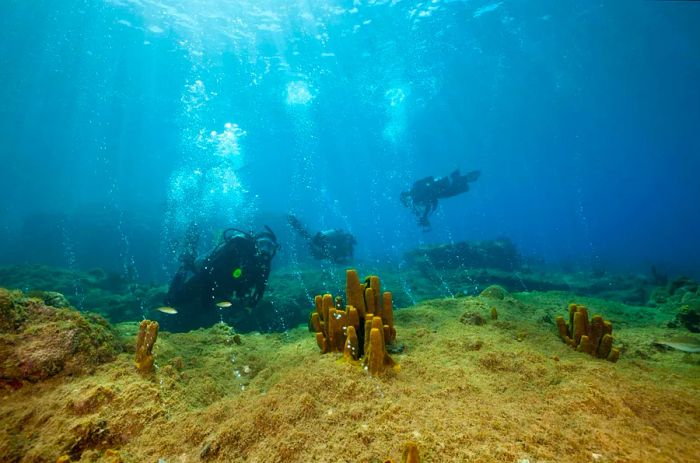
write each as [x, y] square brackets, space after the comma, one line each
[148, 333]
[592, 336]
[361, 330]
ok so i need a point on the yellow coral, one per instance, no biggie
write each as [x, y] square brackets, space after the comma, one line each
[593, 337]
[410, 454]
[146, 339]
[362, 329]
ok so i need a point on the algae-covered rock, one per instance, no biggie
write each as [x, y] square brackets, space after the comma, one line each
[472, 318]
[51, 298]
[11, 314]
[499, 254]
[689, 317]
[494, 292]
[659, 295]
[38, 341]
[682, 285]
[111, 295]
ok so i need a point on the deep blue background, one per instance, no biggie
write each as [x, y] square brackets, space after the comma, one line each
[584, 118]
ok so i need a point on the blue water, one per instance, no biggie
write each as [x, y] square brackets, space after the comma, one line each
[123, 120]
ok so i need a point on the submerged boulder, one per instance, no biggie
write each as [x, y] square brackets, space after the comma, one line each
[494, 292]
[688, 316]
[497, 254]
[38, 341]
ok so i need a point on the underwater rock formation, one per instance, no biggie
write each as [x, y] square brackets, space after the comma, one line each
[682, 296]
[592, 336]
[685, 294]
[498, 254]
[111, 295]
[51, 298]
[145, 340]
[267, 399]
[363, 329]
[494, 292]
[38, 341]
[689, 317]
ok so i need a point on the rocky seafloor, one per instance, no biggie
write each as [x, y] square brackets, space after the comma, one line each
[469, 388]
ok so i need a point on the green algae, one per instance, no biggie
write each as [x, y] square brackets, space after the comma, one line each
[38, 341]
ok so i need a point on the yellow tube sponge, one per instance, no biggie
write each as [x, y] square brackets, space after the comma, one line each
[605, 346]
[316, 322]
[353, 317]
[614, 355]
[584, 316]
[410, 453]
[321, 341]
[351, 351]
[592, 336]
[367, 330]
[572, 310]
[375, 355]
[597, 331]
[579, 327]
[371, 301]
[354, 293]
[563, 329]
[388, 315]
[145, 340]
[584, 345]
[377, 359]
[351, 330]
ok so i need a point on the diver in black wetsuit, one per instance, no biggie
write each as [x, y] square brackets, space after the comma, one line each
[236, 272]
[423, 196]
[335, 245]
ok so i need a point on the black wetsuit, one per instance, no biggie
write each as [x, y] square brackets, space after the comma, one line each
[423, 196]
[236, 271]
[335, 245]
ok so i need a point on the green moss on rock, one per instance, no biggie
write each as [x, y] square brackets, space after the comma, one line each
[38, 341]
[494, 292]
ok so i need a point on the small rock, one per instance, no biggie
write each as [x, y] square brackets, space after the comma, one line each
[472, 318]
[209, 449]
[494, 292]
[395, 348]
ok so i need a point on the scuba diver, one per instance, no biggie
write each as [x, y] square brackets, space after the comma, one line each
[234, 274]
[423, 196]
[336, 245]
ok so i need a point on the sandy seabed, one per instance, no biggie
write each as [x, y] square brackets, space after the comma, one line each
[506, 391]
